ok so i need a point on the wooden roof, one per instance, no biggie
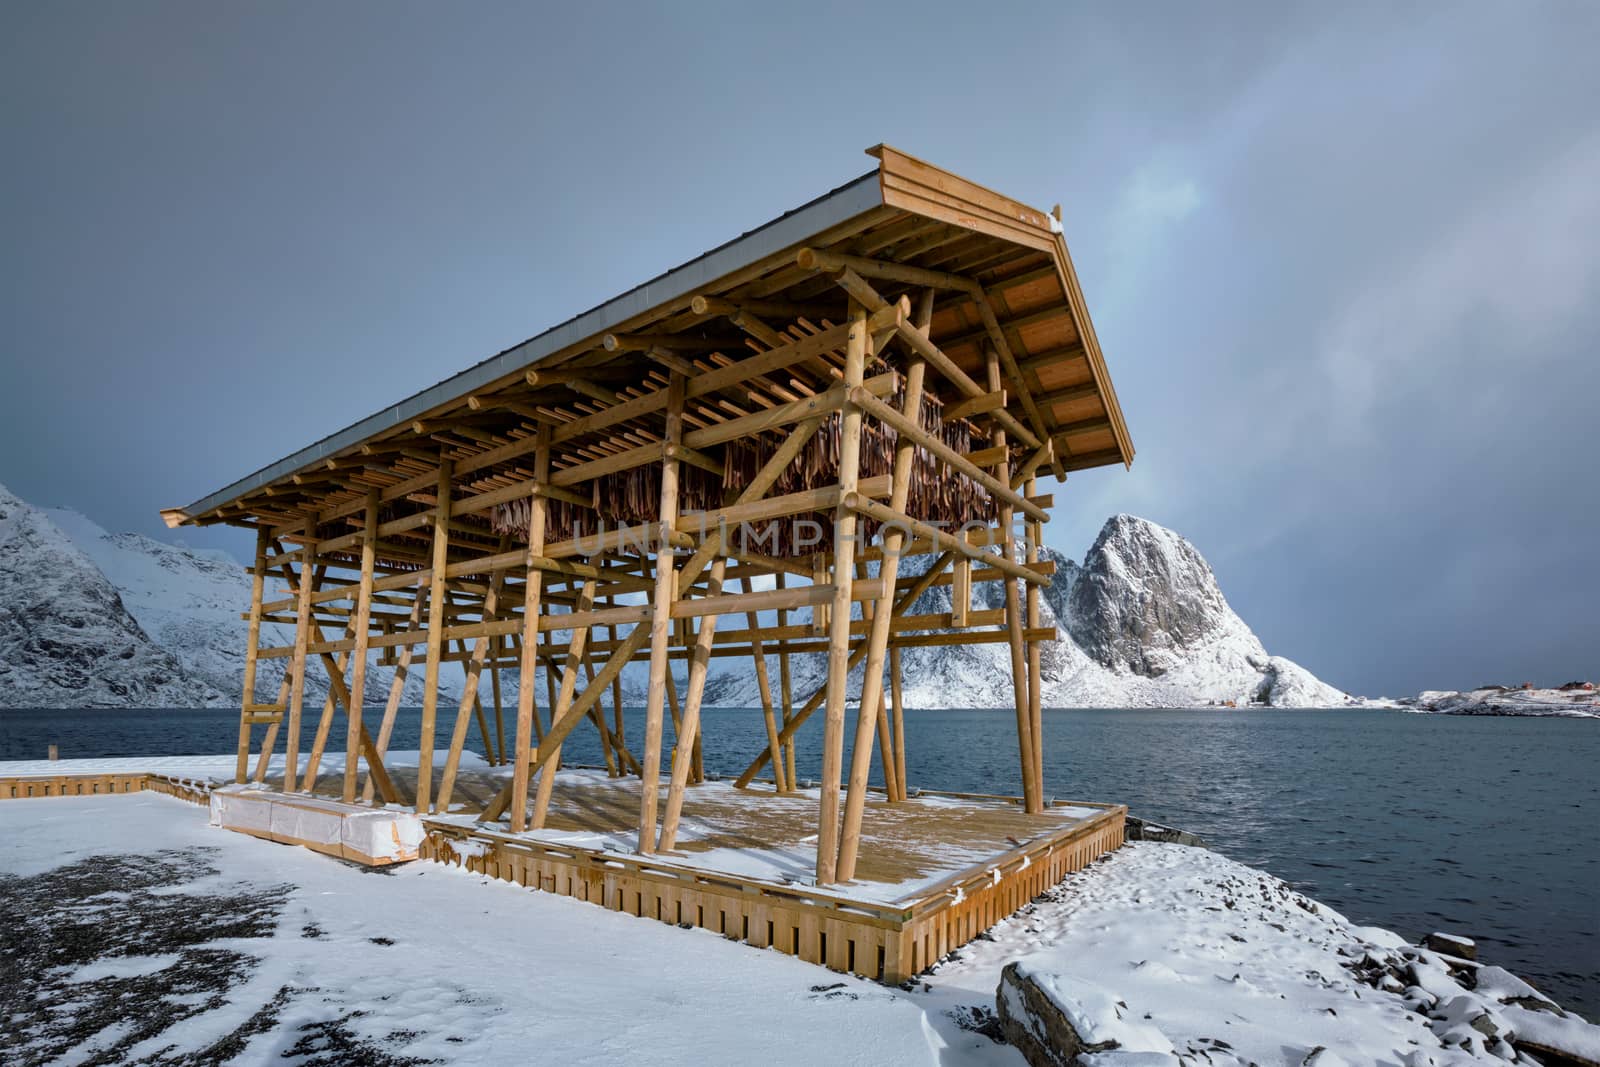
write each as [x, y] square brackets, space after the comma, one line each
[914, 225]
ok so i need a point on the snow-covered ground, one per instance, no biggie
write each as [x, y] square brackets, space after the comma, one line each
[135, 929]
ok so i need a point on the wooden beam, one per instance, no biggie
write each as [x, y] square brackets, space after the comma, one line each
[974, 405]
[833, 262]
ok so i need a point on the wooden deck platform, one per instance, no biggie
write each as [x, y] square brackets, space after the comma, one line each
[936, 870]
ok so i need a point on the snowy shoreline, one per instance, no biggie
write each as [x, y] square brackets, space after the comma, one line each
[206, 942]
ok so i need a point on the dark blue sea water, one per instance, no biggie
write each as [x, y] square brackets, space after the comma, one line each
[1486, 826]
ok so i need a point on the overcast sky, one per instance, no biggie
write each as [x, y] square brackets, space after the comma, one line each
[1344, 261]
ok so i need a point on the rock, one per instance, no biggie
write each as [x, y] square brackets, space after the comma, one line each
[1463, 948]
[1552, 1037]
[1143, 830]
[1054, 1019]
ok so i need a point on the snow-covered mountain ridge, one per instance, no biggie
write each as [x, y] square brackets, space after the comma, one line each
[95, 619]
[89, 618]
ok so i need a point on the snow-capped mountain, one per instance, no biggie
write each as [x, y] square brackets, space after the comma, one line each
[77, 602]
[90, 618]
[1142, 623]
[67, 638]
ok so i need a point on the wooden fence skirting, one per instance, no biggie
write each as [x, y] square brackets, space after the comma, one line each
[888, 942]
[196, 791]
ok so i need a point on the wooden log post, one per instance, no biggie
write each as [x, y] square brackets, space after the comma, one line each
[598, 715]
[469, 696]
[758, 653]
[684, 757]
[528, 664]
[697, 773]
[338, 665]
[264, 758]
[397, 686]
[898, 710]
[786, 685]
[884, 738]
[358, 668]
[497, 651]
[562, 711]
[248, 703]
[1035, 532]
[661, 621]
[562, 721]
[894, 539]
[1031, 800]
[844, 536]
[436, 625]
[909, 597]
[619, 734]
[337, 690]
[302, 640]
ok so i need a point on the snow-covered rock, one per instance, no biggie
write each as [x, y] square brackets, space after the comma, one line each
[1163, 948]
[1575, 701]
[1055, 1020]
[66, 636]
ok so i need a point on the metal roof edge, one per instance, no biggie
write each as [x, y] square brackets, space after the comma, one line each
[831, 209]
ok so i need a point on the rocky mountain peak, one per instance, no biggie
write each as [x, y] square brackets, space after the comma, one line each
[1143, 597]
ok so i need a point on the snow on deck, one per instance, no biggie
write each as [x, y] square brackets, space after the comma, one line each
[906, 848]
